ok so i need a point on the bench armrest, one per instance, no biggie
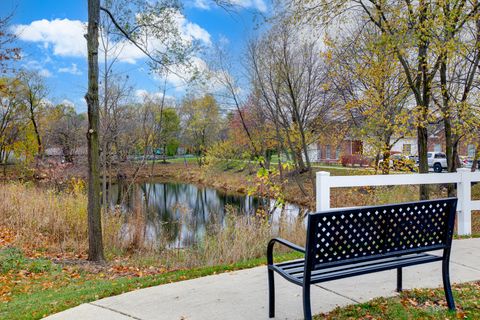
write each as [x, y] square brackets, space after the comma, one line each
[283, 242]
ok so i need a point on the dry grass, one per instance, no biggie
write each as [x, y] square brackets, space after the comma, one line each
[245, 237]
[238, 238]
[45, 219]
[56, 223]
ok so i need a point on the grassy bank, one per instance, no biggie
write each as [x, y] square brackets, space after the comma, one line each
[34, 288]
[54, 224]
[43, 244]
[43, 239]
[415, 304]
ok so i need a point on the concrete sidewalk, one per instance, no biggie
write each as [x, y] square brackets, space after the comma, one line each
[243, 294]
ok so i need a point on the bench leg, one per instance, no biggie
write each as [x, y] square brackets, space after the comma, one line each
[307, 311]
[399, 279]
[446, 285]
[271, 294]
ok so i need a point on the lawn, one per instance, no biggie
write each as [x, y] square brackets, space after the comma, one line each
[34, 288]
[415, 304]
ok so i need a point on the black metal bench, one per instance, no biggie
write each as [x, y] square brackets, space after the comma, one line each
[350, 242]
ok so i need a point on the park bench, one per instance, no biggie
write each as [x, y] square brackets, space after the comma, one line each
[344, 243]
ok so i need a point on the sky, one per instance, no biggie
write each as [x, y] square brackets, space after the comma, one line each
[50, 35]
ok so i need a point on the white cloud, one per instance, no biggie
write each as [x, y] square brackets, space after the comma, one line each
[179, 75]
[204, 79]
[223, 40]
[66, 37]
[37, 66]
[73, 69]
[45, 73]
[201, 4]
[67, 102]
[46, 102]
[143, 95]
[196, 32]
[259, 5]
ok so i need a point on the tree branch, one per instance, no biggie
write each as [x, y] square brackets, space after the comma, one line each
[143, 50]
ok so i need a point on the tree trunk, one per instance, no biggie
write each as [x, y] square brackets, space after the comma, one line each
[37, 133]
[423, 94]
[450, 146]
[165, 153]
[95, 243]
[422, 133]
[377, 160]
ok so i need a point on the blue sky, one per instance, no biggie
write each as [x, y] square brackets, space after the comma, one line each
[50, 36]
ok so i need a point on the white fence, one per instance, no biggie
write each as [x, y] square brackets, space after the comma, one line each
[463, 178]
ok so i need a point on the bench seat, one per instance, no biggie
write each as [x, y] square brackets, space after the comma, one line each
[350, 242]
[293, 270]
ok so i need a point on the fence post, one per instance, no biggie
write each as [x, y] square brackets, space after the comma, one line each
[464, 194]
[323, 190]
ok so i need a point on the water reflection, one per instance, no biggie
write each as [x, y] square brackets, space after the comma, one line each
[179, 214]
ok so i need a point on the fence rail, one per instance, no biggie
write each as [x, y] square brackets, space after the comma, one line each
[463, 178]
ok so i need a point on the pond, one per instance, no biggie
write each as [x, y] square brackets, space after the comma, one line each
[180, 214]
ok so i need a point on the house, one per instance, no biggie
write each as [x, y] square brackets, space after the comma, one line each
[331, 152]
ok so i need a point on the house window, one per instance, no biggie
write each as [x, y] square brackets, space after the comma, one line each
[437, 147]
[337, 152]
[328, 151]
[407, 148]
[471, 150]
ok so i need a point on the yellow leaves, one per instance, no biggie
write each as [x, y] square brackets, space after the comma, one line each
[328, 55]
[287, 165]
[77, 186]
[262, 173]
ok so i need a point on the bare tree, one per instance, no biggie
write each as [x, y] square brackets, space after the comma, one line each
[140, 22]
[8, 52]
[222, 71]
[34, 97]
[65, 130]
[292, 79]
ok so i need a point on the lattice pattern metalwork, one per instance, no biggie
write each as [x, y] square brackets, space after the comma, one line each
[363, 232]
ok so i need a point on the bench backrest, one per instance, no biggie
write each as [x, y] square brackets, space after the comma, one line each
[345, 236]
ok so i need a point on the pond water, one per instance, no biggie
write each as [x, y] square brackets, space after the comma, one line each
[179, 215]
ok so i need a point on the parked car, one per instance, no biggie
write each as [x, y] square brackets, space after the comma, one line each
[468, 162]
[437, 161]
